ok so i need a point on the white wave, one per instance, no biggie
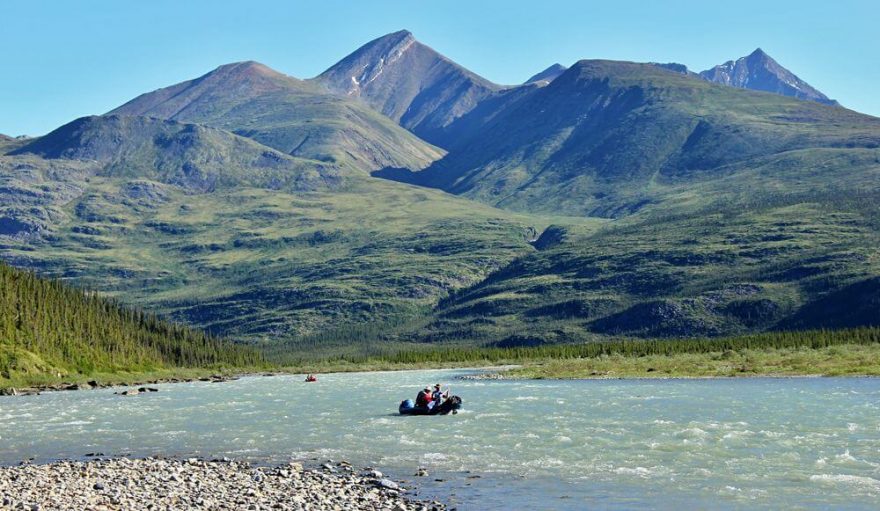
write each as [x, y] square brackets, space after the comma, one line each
[692, 433]
[637, 471]
[848, 479]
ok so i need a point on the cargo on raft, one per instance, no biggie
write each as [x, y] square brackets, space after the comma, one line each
[450, 405]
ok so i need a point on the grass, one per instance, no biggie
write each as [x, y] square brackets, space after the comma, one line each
[844, 360]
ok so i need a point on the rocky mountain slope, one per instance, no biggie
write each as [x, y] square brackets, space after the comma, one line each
[548, 75]
[409, 82]
[758, 71]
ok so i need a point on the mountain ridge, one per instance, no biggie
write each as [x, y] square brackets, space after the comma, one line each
[547, 75]
[293, 116]
[195, 157]
[597, 127]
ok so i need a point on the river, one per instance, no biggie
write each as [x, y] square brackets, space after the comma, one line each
[809, 443]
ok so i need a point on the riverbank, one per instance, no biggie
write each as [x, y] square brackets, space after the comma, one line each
[841, 360]
[153, 483]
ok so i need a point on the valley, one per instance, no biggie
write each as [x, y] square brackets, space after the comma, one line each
[597, 201]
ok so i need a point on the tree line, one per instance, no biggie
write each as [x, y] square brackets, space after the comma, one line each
[82, 332]
[812, 339]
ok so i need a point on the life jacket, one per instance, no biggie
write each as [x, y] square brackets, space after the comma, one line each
[422, 399]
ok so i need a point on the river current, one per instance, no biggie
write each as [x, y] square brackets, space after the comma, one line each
[811, 443]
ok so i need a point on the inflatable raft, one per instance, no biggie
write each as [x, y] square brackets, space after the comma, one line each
[451, 405]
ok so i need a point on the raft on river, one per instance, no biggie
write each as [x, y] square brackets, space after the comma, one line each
[451, 405]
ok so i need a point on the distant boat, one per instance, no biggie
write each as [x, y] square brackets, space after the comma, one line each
[311, 378]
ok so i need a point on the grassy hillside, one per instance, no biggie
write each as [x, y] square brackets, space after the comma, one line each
[803, 260]
[49, 330]
[296, 117]
[246, 261]
[193, 157]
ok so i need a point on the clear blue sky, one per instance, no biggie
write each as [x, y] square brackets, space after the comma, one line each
[66, 59]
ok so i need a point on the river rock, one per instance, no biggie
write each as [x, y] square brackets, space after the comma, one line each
[388, 483]
[167, 483]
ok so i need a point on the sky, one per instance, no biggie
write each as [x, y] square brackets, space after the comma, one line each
[66, 59]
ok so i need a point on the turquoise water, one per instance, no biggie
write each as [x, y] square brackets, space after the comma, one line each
[607, 444]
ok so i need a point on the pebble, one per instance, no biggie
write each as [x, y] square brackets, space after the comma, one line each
[169, 483]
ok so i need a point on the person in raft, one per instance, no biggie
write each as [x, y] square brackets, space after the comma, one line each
[424, 397]
[438, 396]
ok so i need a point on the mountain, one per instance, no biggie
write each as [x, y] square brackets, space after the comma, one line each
[758, 71]
[548, 75]
[609, 138]
[71, 334]
[620, 199]
[409, 82]
[194, 157]
[218, 231]
[293, 116]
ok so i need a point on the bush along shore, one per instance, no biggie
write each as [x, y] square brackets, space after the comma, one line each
[165, 484]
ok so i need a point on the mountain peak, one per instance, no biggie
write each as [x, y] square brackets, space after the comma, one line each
[399, 35]
[548, 75]
[409, 82]
[759, 71]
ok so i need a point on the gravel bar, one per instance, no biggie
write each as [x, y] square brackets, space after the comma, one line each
[173, 484]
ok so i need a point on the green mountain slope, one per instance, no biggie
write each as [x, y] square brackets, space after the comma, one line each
[48, 328]
[221, 232]
[801, 260]
[194, 157]
[605, 138]
[296, 117]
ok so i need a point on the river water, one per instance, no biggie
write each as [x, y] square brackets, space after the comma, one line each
[811, 443]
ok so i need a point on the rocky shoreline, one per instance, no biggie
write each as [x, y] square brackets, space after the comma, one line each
[166, 484]
[137, 386]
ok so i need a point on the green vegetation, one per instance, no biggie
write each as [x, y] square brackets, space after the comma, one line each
[610, 138]
[842, 360]
[720, 212]
[815, 352]
[52, 332]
